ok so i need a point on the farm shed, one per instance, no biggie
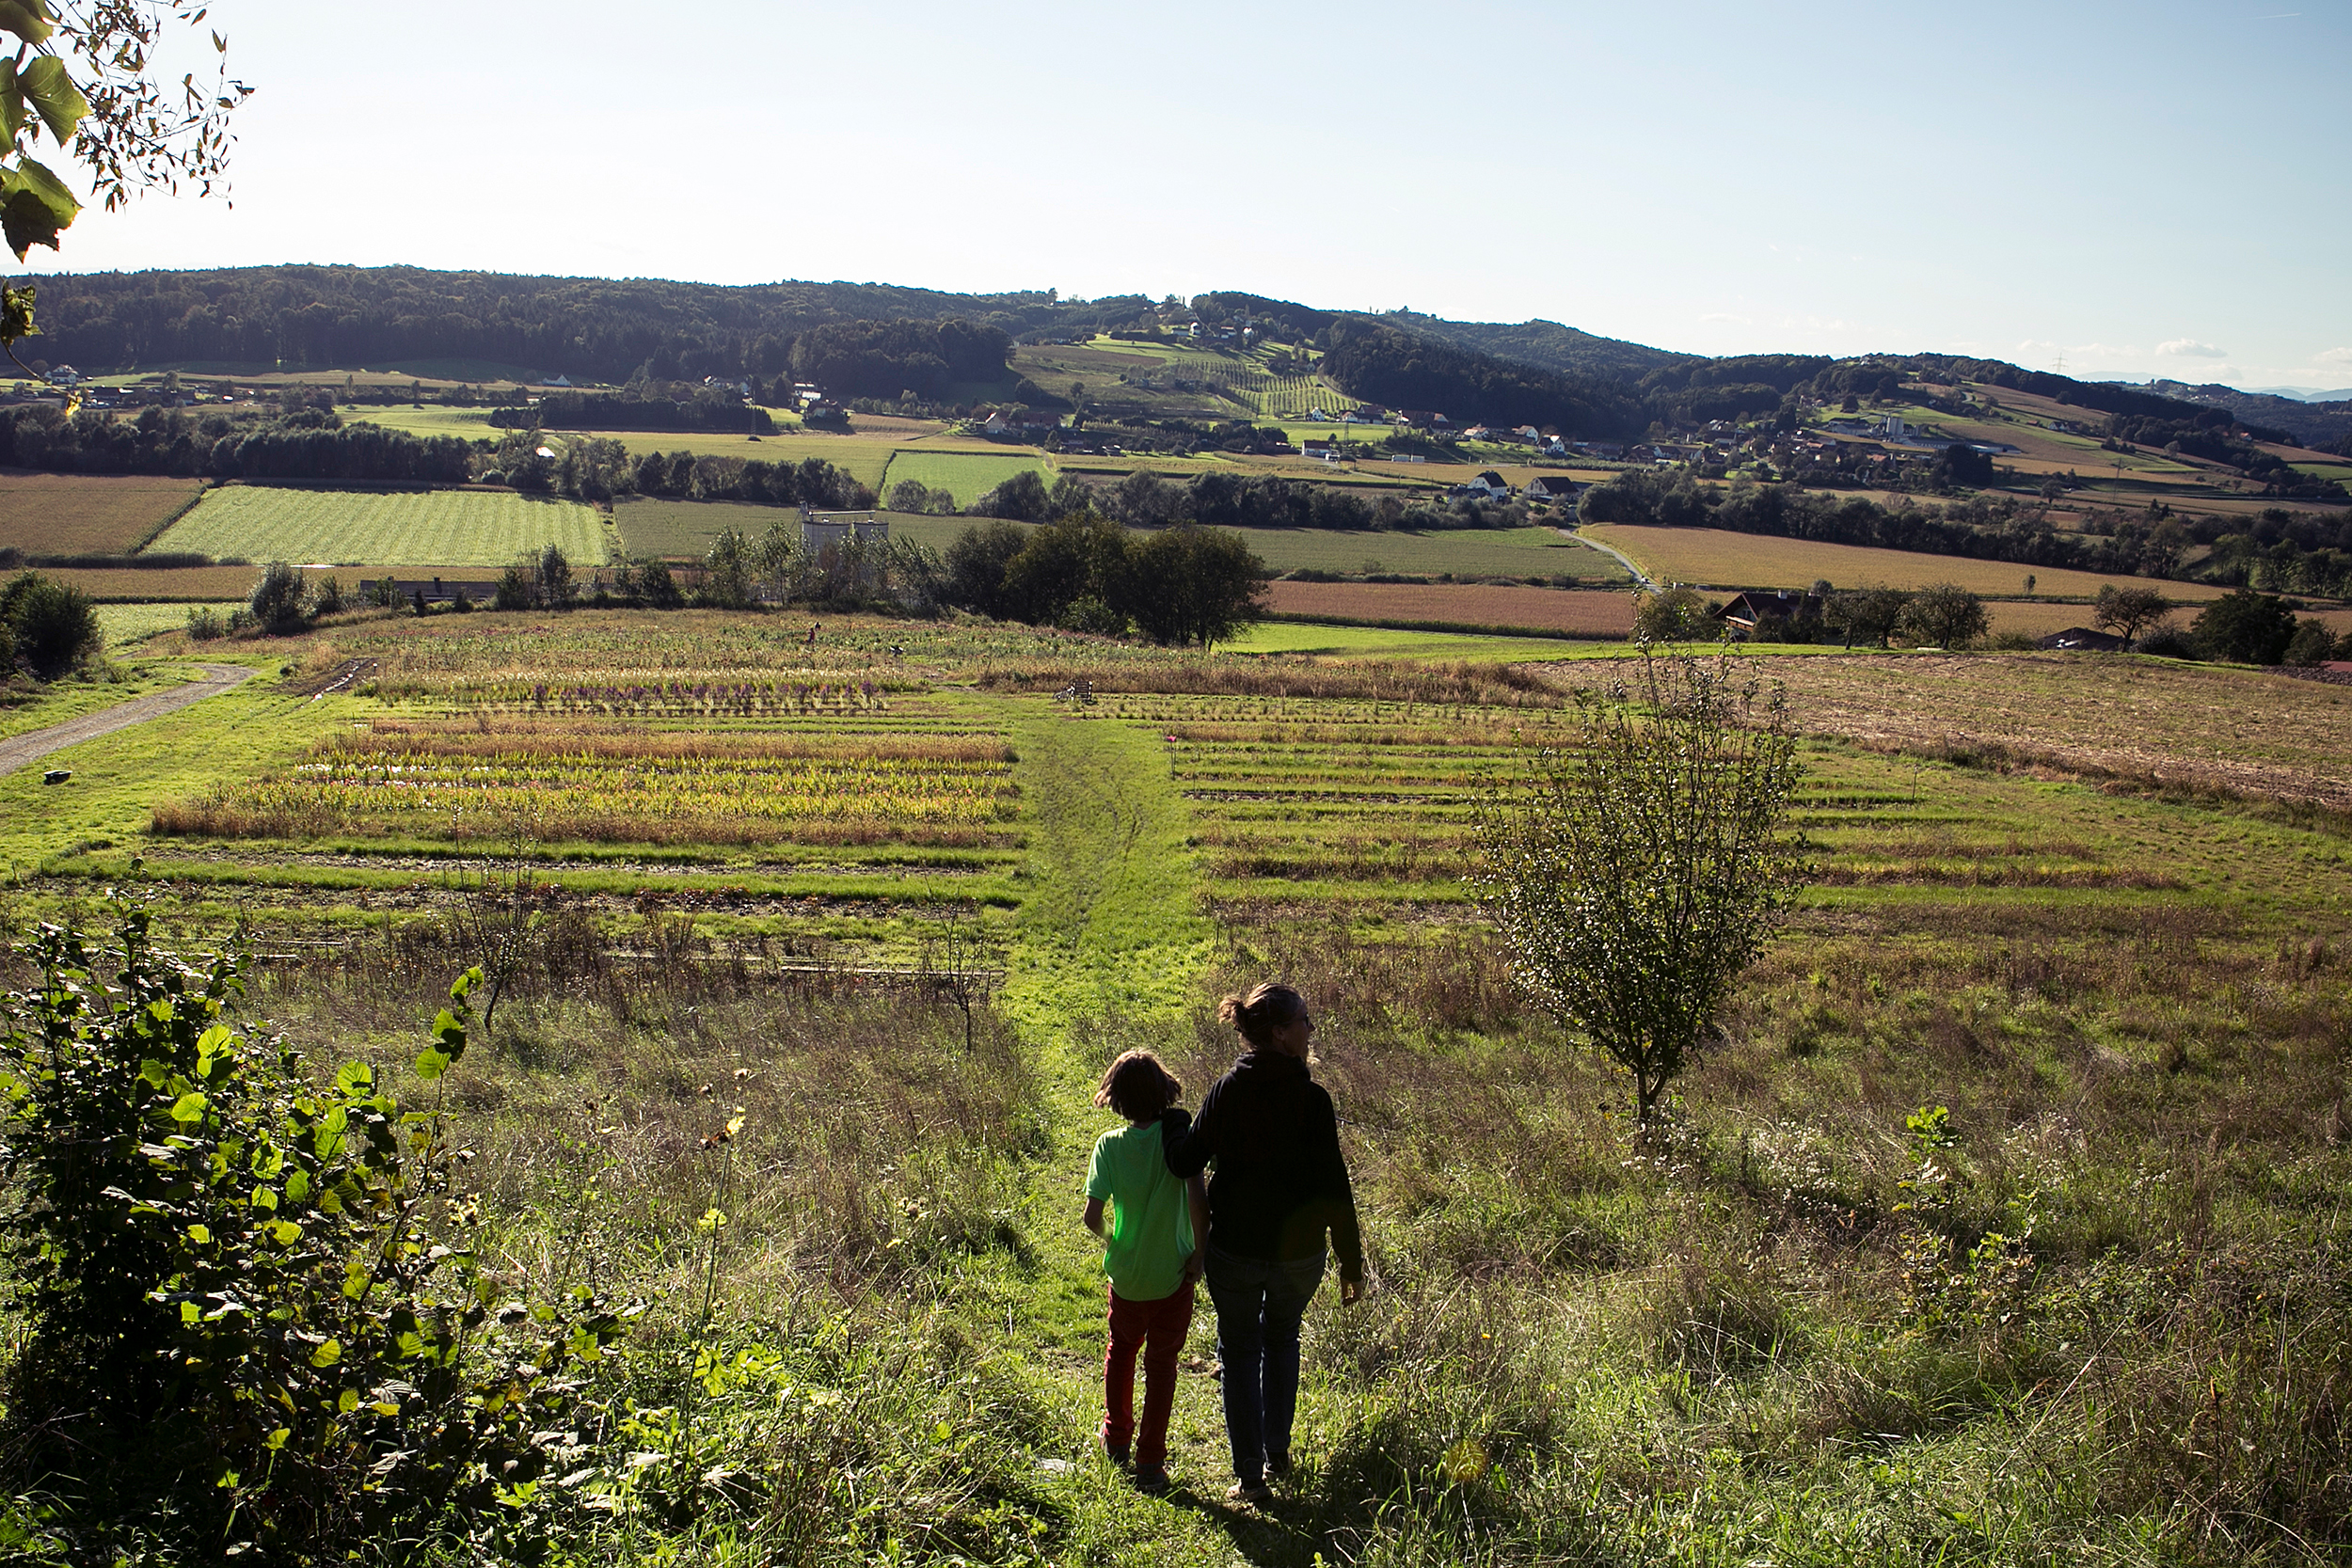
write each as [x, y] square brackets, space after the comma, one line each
[2084, 640]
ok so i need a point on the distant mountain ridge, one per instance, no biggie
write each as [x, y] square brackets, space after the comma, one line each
[1535, 371]
[2316, 424]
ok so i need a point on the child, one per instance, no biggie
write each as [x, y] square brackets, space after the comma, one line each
[1153, 1255]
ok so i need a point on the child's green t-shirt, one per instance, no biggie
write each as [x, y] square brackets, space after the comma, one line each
[1151, 1234]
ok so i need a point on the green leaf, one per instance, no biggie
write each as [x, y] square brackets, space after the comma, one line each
[353, 1077]
[52, 93]
[35, 206]
[188, 1107]
[27, 18]
[430, 1063]
[276, 1440]
[190, 1314]
[210, 1041]
[201, 1235]
[347, 1402]
[464, 985]
[328, 1353]
[451, 1032]
[298, 1185]
[285, 1233]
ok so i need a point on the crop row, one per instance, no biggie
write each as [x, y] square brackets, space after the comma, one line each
[681, 699]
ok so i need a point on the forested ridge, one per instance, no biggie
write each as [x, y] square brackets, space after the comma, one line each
[884, 342]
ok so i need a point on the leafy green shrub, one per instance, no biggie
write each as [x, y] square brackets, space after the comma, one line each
[53, 626]
[280, 604]
[204, 624]
[254, 1312]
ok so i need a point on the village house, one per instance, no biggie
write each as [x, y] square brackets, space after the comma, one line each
[1554, 489]
[1746, 611]
[1488, 486]
[2083, 639]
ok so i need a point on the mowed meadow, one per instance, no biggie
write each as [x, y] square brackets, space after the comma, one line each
[2000, 1223]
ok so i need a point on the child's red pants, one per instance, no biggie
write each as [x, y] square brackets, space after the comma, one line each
[1157, 1329]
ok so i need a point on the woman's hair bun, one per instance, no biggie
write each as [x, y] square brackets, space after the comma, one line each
[1268, 1006]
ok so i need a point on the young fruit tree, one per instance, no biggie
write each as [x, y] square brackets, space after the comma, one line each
[1639, 871]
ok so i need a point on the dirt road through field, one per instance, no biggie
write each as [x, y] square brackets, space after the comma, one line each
[1641, 578]
[19, 750]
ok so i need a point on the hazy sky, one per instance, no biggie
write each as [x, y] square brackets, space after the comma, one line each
[2144, 188]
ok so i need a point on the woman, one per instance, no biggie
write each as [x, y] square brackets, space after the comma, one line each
[1281, 1185]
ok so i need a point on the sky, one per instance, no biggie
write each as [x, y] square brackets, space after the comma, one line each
[2118, 190]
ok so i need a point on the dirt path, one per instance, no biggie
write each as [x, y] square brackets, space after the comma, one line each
[1641, 578]
[19, 750]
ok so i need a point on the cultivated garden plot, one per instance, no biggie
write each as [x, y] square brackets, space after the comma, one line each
[450, 528]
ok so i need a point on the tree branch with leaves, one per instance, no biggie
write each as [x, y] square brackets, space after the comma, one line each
[83, 77]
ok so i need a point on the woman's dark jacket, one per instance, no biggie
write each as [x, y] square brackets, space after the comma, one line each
[1280, 1182]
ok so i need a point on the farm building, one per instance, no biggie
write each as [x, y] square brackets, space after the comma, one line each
[1488, 486]
[1554, 488]
[1749, 610]
[2083, 639]
[820, 528]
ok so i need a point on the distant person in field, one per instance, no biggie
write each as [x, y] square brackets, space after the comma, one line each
[1280, 1187]
[1153, 1255]
[814, 627]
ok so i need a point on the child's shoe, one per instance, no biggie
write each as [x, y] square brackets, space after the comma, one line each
[1154, 1481]
[1257, 1493]
[1116, 1453]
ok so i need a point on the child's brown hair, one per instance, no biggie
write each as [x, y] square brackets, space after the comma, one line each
[1138, 1086]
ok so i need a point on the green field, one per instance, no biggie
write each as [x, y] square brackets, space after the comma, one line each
[962, 475]
[454, 528]
[683, 531]
[1521, 552]
[126, 625]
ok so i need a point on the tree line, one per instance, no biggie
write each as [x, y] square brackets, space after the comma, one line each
[2300, 552]
[604, 328]
[1213, 500]
[704, 411]
[314, 445]
[1179, 585]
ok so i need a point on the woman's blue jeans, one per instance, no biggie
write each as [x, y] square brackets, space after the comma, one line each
[1258, 1304]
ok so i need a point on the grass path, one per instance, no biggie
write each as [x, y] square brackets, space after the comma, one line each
[1107, 945]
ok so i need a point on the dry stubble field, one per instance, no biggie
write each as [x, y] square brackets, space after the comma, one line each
[1724, 559]
[87, 514]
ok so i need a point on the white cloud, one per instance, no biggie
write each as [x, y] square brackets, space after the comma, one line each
[2333, 357]
[2190, 348]
[1728, 316]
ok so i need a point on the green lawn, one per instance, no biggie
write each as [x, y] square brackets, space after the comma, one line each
[682, 531]
[451, 528]
[128, 625]
[963, 475]
[467, 425]
[1519, 552]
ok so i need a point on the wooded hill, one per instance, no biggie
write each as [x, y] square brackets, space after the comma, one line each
[878, 341]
